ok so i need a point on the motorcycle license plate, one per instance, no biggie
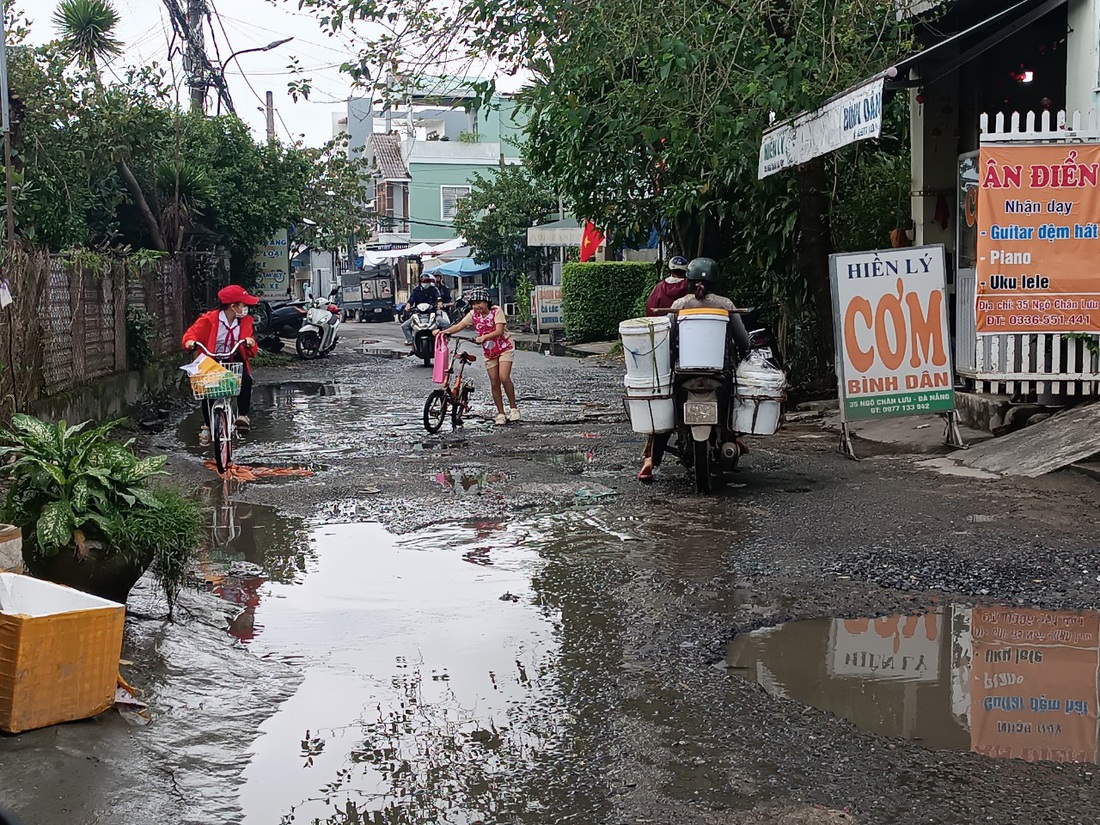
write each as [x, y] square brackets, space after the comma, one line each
[378, 309]
[700, 412]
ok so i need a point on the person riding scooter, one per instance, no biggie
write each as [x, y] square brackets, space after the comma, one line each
[673, 286]
[702, 276]
[425, 293]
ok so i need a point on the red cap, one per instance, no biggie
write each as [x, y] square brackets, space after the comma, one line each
[234, 294]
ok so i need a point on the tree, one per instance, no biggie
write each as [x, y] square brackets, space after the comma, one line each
[495, 216]
[651, 115]
[87, 30]
[335, 195]
[87, 34]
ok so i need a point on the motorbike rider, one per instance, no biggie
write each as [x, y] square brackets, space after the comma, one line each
[425, 293]
[446, 299]
[674, 285]
[219, 331]
[702, 277]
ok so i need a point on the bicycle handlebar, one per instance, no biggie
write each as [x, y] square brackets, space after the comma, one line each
[230, 354]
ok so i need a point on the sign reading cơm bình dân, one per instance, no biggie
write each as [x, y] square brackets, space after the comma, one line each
[1038, 239]
[890, 320]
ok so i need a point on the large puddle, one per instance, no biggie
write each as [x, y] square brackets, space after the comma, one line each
[1006, 682]
[458, 674]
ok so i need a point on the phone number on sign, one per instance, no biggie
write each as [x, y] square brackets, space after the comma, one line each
[1045, 320]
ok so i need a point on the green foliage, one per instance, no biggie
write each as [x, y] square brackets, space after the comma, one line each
[334, 194]
[86, 29]
[495, 216]
[170, 532]
[71, 480]
[524, 287]
[596, 297]
[139, 337]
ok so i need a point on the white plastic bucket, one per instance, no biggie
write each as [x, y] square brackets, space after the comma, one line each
[648, 385]
[646, 347]
[757, 399]
[651, 414]
[702, 334]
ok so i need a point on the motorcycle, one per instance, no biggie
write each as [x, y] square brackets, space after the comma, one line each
[318, 333]
[716, 406]
[423, 332]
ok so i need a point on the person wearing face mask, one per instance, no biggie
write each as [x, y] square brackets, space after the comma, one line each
[220, 330]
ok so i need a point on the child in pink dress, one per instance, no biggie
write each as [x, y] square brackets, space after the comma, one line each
[490, 324]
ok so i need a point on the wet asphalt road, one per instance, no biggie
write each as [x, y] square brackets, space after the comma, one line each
[501, 626]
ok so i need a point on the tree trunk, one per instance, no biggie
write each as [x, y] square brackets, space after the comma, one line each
[143, 206]
[813, 245]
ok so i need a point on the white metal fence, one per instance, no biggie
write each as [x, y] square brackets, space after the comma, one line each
[1023, 364]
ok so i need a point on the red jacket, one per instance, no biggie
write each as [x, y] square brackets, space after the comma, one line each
[664, 294]
[205, 331]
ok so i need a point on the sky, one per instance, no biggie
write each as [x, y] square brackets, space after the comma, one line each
[146, 30]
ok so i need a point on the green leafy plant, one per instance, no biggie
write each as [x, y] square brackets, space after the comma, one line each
[72, 481]
[171, 532]
[524, 287]
[596, 297]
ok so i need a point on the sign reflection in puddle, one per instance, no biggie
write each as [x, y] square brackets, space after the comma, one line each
[1006, 682]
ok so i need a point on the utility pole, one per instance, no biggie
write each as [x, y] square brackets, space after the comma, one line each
[195, 64]
[270, 116]
[5, 117]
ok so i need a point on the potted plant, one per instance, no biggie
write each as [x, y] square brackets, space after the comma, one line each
[88, 516]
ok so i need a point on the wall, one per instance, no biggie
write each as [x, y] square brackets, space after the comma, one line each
[67, 327]
[425, 222]
[1082, 46]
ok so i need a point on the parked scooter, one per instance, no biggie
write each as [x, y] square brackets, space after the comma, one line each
[318, 333]
[423, 332]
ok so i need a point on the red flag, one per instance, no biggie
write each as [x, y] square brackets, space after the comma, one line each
[590, 241]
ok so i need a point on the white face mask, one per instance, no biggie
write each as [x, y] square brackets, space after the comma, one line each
[242, 312]
[674, 277]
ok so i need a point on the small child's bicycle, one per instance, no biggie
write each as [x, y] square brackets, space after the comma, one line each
[220, 392]
[453, 396]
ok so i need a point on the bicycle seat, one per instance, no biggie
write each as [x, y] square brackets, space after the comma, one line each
[466, 358]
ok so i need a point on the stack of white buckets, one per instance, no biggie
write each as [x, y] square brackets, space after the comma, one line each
[758, 394]
[646, 348]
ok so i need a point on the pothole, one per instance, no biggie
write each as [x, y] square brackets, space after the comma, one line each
[1005, 682]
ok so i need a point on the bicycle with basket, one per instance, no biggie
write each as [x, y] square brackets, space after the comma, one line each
[219, 387]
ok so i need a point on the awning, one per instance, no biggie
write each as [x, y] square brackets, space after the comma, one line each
[856, 113]
[567, 232]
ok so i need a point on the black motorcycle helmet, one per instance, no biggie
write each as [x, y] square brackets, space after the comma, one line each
[703, 270]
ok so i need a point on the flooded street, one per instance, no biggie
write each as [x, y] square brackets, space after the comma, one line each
[502, 626]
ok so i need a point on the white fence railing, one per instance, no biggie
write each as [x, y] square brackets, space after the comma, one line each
[1024, 364]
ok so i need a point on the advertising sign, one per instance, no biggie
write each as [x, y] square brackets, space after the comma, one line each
[274, 261]
[853, 116]
[1038, 238]
[904, 648]
[547, 307]
[893, 351]
[1033, 691]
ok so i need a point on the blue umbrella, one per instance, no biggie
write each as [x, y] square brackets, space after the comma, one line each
[461, 268]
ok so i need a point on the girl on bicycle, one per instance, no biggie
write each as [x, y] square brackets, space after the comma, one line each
[219, 331]
[491, 326]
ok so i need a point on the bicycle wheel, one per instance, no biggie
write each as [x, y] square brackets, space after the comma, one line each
[222, 438]
[435, 411]
[459, 410]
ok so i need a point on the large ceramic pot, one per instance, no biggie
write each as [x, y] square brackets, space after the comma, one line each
[100, 571]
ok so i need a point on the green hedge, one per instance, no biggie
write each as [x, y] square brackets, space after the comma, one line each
[595, 297]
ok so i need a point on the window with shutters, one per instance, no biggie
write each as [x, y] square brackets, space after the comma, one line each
[449, 198]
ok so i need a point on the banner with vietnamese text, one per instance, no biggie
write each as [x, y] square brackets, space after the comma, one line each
[890, 316]
[1038, 238]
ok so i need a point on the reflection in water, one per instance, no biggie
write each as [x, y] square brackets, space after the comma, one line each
[249, 545]
[1007, 682]
[469, 480]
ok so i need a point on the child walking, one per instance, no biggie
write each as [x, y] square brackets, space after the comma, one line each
[491, 326]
